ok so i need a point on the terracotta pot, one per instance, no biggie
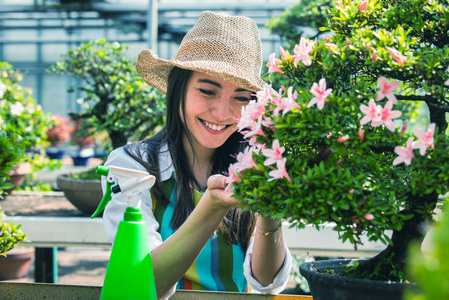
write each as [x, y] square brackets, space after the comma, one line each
[16, 264]
[17, 175]
[83, 194]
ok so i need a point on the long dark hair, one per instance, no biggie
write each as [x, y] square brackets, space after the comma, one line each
[237, 225]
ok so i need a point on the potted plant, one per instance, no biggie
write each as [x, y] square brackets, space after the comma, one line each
[56, 136]
[341, 142]
[114, 100]
[21, 116]
[83, 143]
[17, 263]
[19, 111]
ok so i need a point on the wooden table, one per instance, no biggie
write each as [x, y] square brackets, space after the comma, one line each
[36, 291]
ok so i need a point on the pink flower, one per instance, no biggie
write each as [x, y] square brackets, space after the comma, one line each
[446, 82]
[280, 172]
[331, 46]
[255, 128]
[403, 128]
[273, 64]
[274, 154]
[254, 109]
[245, 160]
[386, 89]
[343, 139]
[268, 122]
[405, 153]
[425, 138]
[264, 96]
[387, 115]
[320, 93]
[301, 52]
[396, 55]
[361, 134]
[286, 104]
[246, 119]
[284, 54]
[369, 217]
[363, 6]
[372, 113]
[232, 177]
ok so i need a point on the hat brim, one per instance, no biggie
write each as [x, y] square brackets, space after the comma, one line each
[155, 71]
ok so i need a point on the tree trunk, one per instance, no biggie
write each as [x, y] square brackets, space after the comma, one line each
[118, 139]
[390, 263]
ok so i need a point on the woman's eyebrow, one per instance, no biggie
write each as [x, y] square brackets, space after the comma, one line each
[214, 83]
[210, 82]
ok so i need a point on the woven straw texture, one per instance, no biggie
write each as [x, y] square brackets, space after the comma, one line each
[223, 46]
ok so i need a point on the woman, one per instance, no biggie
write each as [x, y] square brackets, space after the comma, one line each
[198, 236]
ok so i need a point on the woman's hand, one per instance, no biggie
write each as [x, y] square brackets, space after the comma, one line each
[219, 196]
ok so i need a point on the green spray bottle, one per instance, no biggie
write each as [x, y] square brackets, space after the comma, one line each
[129, 274]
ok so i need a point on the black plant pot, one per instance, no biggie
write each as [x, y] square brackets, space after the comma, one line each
[80, 160]
[55, 153]
[333, 287]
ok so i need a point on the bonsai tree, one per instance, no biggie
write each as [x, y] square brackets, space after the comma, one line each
[79, 136]
[59, 132]
[11, 153]
[340, 142]
[114, 97]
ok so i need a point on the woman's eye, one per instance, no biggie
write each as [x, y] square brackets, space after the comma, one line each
[243, 99]
[207, 92]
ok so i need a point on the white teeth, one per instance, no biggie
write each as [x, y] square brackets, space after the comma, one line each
[214, 127]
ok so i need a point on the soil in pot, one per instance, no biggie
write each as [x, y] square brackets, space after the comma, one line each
[326, 284]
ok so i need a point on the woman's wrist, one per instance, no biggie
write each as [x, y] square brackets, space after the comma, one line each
[267, 224]
[274, 233]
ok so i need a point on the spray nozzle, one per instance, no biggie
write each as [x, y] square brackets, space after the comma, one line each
[129, 182]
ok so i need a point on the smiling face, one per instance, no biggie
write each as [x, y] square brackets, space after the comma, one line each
[212, 110]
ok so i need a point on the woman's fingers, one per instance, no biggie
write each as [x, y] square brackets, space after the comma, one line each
[216, 184]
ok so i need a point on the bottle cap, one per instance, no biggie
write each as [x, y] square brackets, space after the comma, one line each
[133, 214]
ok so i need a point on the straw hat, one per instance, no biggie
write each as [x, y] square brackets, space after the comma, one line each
[223, 46]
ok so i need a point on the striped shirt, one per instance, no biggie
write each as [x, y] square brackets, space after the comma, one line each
[219, 266]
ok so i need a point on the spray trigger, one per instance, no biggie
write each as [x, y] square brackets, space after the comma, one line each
[129, 182]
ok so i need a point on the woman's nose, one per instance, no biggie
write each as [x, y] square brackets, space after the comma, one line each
[223, 110]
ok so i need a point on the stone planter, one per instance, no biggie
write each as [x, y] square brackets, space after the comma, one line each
[333, 287]
[83, 194]
[16, 263]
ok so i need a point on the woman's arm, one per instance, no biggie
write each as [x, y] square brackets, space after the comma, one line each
[268, 251]
[174, 256]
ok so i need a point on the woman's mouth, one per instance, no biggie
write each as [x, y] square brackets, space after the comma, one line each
[214, 127]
